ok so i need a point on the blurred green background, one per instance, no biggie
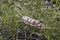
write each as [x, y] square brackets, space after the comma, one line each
[12, 27]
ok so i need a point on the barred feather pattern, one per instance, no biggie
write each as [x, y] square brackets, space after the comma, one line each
[33, 22]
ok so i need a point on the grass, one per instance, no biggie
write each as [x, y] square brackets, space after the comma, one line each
[11, 12]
